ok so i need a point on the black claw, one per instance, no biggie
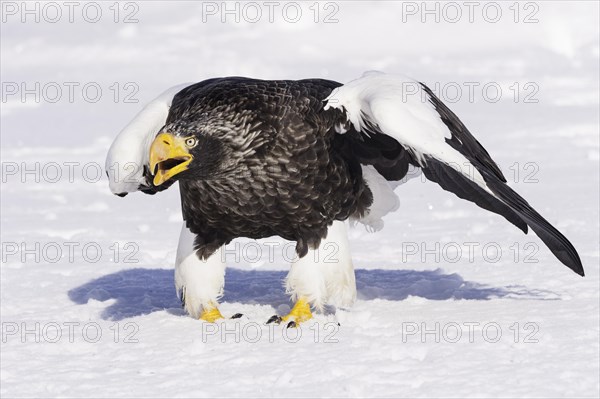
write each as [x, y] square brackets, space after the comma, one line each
[274, 319]
[237, 316]
[292, 324]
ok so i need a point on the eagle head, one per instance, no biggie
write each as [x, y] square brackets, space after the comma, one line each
[178, 153]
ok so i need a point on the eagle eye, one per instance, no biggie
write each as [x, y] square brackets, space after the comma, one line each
[191, 142]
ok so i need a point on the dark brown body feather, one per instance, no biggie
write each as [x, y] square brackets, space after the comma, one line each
[287, 171]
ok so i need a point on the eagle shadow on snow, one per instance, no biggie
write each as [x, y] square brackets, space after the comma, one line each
[142, 291]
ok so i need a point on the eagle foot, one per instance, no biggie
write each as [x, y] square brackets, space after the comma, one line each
[211, 313]
[299, 314]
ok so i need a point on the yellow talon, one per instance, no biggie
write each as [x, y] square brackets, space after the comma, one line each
[300, 312]
[210, 313]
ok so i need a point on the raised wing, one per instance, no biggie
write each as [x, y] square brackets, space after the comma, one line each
[436, 141]
[127, 159]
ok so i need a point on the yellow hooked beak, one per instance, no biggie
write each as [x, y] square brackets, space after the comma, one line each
[168, 156]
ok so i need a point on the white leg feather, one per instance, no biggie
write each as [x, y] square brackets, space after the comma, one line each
[325, 275]
[384, 199]
[198, 282]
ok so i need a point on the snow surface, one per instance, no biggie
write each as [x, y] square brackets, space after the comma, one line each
[379, 349]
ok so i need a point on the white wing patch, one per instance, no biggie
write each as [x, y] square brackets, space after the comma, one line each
[400, 107]
[129, 152]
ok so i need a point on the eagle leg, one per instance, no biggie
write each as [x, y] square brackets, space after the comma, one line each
[199, 282]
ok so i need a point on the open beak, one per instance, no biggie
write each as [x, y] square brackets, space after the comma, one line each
[168, 157]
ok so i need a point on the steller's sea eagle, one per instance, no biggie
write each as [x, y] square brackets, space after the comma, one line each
[257, 158]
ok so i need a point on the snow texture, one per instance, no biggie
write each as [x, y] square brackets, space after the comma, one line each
[452, 301]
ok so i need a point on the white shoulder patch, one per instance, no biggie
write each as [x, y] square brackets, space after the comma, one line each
[402, 109]
[129, 152]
